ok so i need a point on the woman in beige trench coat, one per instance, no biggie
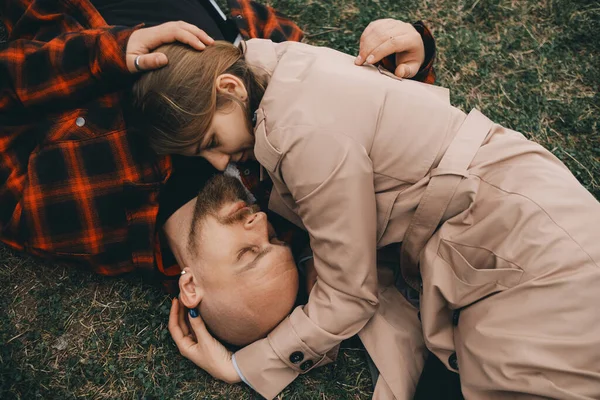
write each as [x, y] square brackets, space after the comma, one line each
[494, 232]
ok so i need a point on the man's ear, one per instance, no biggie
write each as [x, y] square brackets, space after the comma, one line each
[231, 85]
[191, 290]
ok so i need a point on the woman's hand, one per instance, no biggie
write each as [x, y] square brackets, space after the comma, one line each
[198, 345]
[143, 41]
[384, 37]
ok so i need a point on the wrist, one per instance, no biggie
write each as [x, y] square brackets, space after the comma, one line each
[231, 375]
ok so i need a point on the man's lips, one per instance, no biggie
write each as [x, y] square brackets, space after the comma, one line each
[234, 208]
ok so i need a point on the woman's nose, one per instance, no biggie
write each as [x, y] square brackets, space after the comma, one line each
[218, 160]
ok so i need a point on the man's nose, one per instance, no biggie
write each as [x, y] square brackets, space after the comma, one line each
[218, 160]
[256, 221]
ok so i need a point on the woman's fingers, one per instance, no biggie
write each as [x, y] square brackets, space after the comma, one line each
[199, 330]
[183, 324]
[174, 321]
[184, 342]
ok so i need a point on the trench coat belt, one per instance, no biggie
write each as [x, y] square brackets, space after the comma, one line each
[444, 180]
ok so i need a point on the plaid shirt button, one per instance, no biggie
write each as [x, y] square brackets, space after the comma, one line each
[80, 121]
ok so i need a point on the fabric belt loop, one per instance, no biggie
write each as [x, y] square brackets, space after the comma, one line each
[442, 184]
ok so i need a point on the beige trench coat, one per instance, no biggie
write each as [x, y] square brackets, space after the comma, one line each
[499, 237]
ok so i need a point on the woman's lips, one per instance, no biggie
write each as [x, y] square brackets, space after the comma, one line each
[244, 156]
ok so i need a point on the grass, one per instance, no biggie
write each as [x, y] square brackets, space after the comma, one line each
[533, 66]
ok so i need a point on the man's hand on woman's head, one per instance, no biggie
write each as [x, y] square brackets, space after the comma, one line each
[384, 37]
[143, 41]
[197, 345]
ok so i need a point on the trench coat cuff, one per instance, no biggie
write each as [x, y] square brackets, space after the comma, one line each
[263, 370]
[270, 364]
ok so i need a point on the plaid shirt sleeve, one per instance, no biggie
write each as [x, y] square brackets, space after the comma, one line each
[73, 184]
[71, 67]
[256, 20]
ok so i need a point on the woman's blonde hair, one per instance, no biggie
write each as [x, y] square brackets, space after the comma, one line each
[174, 106]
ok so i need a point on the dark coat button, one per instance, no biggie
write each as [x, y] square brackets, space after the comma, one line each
[455, 317]
[453, 361]
[306, 365]
[296, 357]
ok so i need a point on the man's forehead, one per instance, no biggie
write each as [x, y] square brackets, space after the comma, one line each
[174, 227]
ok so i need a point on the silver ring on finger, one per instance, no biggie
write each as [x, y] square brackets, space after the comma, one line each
[136, 62]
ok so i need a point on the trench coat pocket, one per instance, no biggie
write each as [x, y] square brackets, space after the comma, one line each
[476, 266]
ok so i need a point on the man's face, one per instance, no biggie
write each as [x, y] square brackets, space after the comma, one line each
[235, 254]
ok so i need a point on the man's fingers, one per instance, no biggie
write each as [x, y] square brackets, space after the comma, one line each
[407, 70]
[392, 45]
[187, 37]
[148, 62]
[367, 44]
[199, 34]
[373, 35]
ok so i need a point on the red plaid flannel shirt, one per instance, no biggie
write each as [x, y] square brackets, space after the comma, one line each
[74, 185]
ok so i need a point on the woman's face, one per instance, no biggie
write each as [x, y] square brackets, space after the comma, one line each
[228, 138]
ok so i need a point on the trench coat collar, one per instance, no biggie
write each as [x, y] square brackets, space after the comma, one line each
[260, 54]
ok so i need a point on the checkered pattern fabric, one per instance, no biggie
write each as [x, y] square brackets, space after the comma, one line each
[74, 185]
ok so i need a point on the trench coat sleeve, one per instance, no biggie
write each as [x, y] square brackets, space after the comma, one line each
[330, 178]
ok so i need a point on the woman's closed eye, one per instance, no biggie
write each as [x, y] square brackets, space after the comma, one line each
[214, 143]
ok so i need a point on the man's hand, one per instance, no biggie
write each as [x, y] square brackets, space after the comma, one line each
[389, 36]
[143, 41]
[199, 346]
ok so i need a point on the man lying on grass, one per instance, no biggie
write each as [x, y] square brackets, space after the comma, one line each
[243, 281]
